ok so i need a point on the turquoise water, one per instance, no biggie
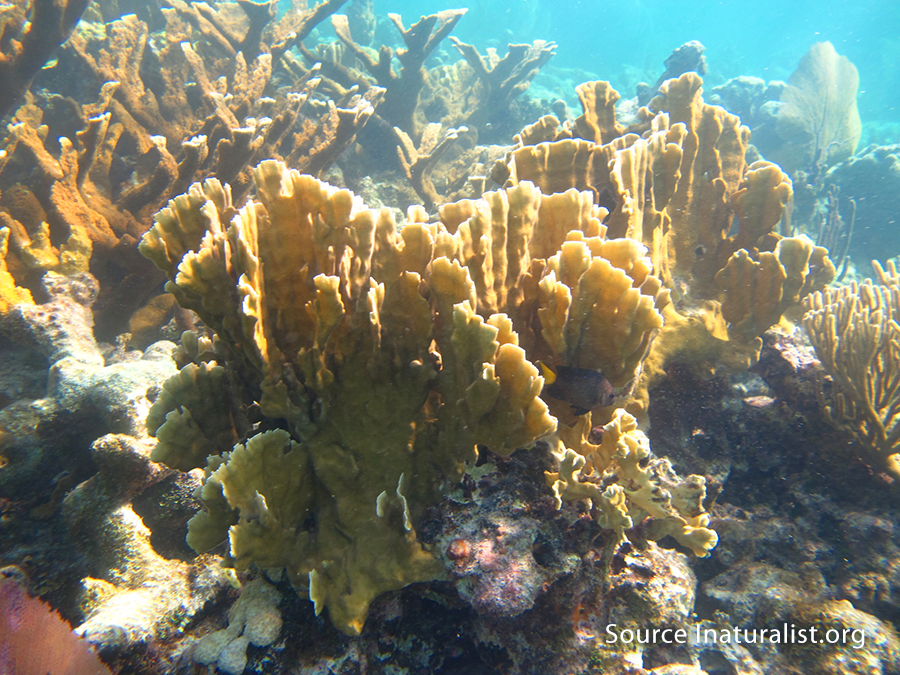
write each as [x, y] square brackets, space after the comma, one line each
[766, 38]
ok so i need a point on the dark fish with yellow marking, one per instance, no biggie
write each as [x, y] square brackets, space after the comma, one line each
[582, 388]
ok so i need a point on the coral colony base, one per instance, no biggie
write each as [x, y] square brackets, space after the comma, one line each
[217, 323]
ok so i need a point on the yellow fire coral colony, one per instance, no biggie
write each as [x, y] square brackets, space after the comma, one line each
[856, 332]
[386, 390]
[625, 485]
[679, 179]
[389, 356]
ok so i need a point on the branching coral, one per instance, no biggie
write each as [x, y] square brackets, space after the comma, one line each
[239, 125]
[31, 32]
[856, 332]
[466, 94]
[418, 163]
[403, 88]
[81, 181]
[192, 91]
[501, 79]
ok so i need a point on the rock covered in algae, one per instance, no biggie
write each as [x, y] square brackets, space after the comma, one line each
[141, 596]
[649, 589]
[133, 594]
[84, 386]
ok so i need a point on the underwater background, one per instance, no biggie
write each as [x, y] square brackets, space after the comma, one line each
[624, 41]
[365, 336]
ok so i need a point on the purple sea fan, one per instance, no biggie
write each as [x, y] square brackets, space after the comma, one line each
[35, 640]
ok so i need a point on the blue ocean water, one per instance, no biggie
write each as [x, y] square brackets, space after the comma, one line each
[619, 40]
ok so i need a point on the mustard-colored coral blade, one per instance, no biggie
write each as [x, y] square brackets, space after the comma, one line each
[520, 412]
[180, 226]
[395, 560]
[646, 486]
[268, 481]
[371, 351]
[10, 293]
[760, 202]
[191, 418]
[757, 292]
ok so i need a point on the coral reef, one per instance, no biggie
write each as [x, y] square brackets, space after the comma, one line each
[804, 125]
[679, 188]
[355, 421]
[756, 102]
[685, 59]
[146, 103]
[869, 183]
[798, 530]
[810, 126]
[855, 332]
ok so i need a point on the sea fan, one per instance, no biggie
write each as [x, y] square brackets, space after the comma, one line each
[35, 640]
